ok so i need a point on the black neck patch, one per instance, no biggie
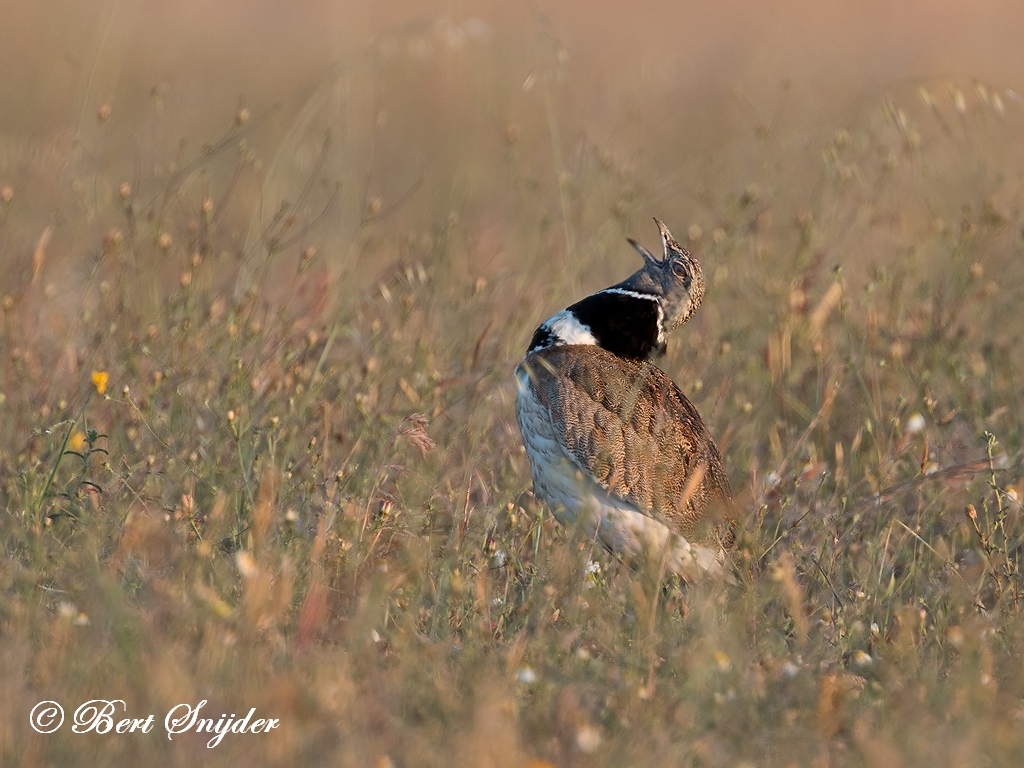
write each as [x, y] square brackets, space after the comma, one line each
[542, 338]
[626, 324]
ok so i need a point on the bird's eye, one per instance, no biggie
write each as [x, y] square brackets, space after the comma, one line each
[681, 269]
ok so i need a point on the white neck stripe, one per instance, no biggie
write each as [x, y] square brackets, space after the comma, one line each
[634, 294]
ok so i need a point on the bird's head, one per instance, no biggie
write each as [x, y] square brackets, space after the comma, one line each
[676, 279]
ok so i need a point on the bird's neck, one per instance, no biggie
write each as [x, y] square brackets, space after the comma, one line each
[626, 323]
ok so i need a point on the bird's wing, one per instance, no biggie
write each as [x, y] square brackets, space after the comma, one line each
[665, 464]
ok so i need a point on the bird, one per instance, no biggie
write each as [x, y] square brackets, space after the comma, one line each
[614, 446]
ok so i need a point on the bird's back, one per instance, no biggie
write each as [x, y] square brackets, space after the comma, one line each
[627, 424]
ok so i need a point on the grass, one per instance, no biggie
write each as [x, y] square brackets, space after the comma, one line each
[258, 446]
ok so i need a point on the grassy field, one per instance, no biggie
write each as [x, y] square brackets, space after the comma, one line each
[258, 444]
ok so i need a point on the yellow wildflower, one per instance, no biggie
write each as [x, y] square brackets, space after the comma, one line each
[77, 441]
[99, 380]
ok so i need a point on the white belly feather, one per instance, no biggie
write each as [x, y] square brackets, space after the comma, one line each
[577, 500]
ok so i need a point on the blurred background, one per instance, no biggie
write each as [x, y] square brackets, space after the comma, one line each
[422, 100]
[58, 53]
